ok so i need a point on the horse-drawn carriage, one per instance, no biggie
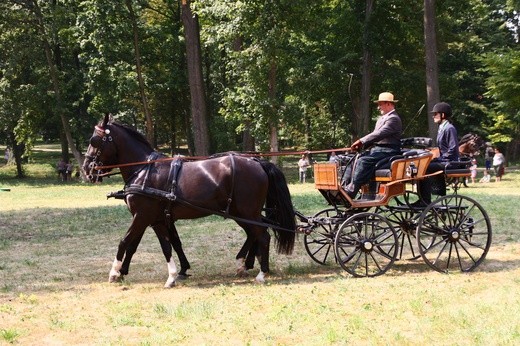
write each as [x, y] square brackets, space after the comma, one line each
[365, 236]
[368, 234]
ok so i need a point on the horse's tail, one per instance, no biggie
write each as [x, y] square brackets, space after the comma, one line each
[280, 209]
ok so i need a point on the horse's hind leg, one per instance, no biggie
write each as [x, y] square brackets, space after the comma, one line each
[250, 259]
[262, 249]
[162, 235]
[241, 257]
[245, 258]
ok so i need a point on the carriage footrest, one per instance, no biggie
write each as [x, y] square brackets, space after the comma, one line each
[116, 194]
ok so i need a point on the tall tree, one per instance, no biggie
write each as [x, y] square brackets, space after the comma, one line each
[142, 89]
[432, 73]
[34, 8]
[197, 92]
[362, 119]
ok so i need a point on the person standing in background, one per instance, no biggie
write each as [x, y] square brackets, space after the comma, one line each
[499, 162]
[333, 157]
[488, 155]
[303, 164]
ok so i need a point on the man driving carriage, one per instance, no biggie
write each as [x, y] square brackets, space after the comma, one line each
[386, 141]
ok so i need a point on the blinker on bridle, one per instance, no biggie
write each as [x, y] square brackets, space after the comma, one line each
[101, 132]
[104, 134]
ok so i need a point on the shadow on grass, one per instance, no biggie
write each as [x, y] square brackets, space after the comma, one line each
[68, 247]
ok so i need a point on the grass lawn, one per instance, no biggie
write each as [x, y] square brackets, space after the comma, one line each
[58, 240]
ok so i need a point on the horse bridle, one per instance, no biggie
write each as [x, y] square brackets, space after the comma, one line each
[104, 134]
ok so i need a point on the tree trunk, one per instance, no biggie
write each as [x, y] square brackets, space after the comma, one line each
[273, 118]
[363, 118]
[149, 122]
[64, 147]
[55, 81]
[17, 154]
[198, 97]
[432, 70]
[248, 141]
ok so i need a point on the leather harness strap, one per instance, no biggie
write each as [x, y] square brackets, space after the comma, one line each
[171, 186]
[230, 196]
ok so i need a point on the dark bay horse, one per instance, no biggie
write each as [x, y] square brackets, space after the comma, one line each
[159, 190]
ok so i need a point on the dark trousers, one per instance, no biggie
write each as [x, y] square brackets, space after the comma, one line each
[364, 167]
[435, 184]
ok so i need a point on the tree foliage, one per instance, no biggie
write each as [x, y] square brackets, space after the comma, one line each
[295, 67]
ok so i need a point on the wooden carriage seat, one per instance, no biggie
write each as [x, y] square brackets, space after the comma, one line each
[412, 164]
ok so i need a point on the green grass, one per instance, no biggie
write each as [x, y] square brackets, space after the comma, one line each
[57, 242]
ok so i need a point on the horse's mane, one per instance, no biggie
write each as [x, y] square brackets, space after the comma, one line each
[467, 137]
[134, 133]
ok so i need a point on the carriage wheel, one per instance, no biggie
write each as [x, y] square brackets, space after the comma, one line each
[404, 218]
[366, 245]
[454, 233]
[319, 242]
[406, 199]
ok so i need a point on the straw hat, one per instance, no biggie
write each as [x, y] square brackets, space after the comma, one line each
[386, 97]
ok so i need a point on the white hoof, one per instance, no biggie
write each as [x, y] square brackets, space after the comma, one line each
[113, 278]
[115, 274]
[260, 278]
[172, 274]
[241, 272]
[170, 284]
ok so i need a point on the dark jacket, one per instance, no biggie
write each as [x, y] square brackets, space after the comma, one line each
[387, 131]
[448, 143]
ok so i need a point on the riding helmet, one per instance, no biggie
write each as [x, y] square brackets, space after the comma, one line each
[442, 107]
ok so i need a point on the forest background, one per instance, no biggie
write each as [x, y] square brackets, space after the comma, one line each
[199, 77]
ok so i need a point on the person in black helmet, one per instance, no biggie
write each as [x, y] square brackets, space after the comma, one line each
[448, 144]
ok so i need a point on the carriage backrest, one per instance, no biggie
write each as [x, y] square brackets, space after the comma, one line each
[413, 165]
[416, 142]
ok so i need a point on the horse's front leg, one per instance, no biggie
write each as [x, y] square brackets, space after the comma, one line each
[129, 253]
[126, 249]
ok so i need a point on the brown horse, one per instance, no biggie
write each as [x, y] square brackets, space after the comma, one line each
[470, 145]
[159, 190]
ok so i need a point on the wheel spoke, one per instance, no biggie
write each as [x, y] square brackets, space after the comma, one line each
[466, 251]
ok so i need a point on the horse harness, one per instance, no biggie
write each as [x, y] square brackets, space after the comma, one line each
[171, 197]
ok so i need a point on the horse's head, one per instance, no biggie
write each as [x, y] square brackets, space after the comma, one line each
[470, 144]
[101, 151]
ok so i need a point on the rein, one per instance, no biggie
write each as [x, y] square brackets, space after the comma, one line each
[160, 194]
[196, 158]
